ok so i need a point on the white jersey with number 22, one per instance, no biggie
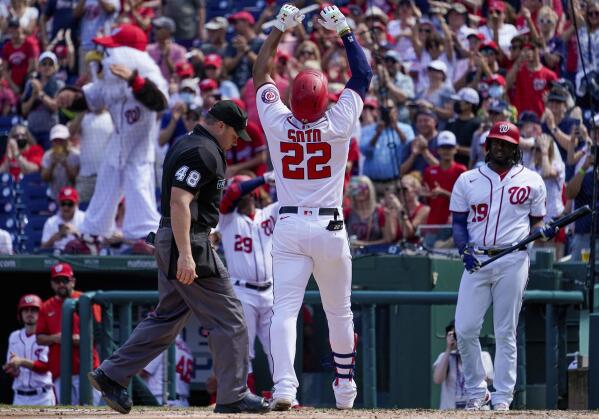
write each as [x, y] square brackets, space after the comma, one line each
[309, 159]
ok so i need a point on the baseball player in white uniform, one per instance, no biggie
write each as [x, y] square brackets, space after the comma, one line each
[246, 233]
[155, 372]
[308, 147]
[26, 361]
[133, 90]
[494, 206]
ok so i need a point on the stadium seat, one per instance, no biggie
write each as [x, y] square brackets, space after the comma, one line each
[6, 179]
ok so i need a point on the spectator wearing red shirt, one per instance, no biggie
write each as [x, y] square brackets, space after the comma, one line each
[248, 156]
[530, 80]
[23, 155]
[48, 331]
[20, 54]
[440, 178]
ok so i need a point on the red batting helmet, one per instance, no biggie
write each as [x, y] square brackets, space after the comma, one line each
[28, 301]
[505, 131]
[309, 95]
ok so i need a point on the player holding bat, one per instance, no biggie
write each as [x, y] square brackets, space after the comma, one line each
[494, 207]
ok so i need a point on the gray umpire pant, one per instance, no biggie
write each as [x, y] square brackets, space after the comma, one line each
[213, 301]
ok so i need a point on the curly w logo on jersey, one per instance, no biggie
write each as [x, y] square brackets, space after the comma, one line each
[519, 195]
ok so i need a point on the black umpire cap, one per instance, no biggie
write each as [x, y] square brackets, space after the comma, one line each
[228, 112]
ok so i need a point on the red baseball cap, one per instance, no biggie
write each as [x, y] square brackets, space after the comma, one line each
[496, 79]
[184, 69]
[125, 35]
[372, 102]
[208, 84]
[488, 44]
[506, 131]
[61, 269]
[242, 15]
[213, 60]
[60, 51]
[497, 5]
[282, 55]
[68, 194]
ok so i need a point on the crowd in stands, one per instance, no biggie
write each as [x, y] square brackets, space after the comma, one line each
[444, 72]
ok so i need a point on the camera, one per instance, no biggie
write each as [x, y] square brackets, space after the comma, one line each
[386, 118]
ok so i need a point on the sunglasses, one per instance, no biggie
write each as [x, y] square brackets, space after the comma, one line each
[546, 21]
[515, 47]
[593, 14]
[61, 279]
[487, 51]
[68, 204]
[47, 63]
[424, 30]
[307, 52]
[495, 12]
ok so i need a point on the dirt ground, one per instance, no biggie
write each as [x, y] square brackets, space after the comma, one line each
[162, 413]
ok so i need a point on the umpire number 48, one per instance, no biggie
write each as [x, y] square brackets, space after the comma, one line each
[192, 178]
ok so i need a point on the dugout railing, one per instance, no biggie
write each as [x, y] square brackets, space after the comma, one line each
[366, 301]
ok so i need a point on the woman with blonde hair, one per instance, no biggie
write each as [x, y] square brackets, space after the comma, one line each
[366, 221]
[405, 207]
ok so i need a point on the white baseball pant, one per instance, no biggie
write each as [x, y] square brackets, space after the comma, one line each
[96, 396]
[257, 310]
[134, 182]
[502, 284]
[302, 245]
[40, 399]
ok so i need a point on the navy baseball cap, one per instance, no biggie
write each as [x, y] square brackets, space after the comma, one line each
[228, 112]
[497, 106]
[528, 116]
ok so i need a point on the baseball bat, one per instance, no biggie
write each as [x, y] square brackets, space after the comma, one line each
[560, 222]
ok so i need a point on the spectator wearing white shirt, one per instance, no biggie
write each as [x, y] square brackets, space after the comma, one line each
[64, 226]
[60, 164]
[496, 29]
[448, 372]
[94, 129]
[5, 243]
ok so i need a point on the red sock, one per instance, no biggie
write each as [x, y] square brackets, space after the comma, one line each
[251, 382]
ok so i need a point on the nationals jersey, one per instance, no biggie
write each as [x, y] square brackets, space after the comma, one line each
[309, 159]
[499, 209]
[25, 346]
[248, 244]
[184, 366]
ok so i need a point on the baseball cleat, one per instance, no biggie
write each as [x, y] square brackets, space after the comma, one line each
[281, 404]
[114, 394]
[479, 403]
[345, 393]
[501, 407]
[250, 404]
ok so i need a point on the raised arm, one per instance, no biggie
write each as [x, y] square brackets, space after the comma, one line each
[289, 16]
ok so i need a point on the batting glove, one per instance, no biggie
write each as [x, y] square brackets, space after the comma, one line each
[333, 19]
[289, 16]
[471, 263]
[269, 177]
[546, 231]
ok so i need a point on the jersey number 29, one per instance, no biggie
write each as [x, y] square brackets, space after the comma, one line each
[316, 165]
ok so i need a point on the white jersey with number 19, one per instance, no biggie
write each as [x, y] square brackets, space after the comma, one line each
[309, 159]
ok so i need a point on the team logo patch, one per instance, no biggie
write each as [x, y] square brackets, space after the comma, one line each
[503, 128]
[270, 95]
[133, 115]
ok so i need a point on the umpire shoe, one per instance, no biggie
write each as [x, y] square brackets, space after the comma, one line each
[114, 394]
[250, 404]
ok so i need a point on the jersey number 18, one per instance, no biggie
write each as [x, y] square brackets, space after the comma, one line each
[316, 165]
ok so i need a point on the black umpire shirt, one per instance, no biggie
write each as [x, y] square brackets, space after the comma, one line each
[197, 164]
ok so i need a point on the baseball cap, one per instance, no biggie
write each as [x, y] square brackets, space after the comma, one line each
[426, 111]
[164, 22]
[213, 60]
[377, 13]
[495, 79]
[469, 95]
[506, 131]
[557, 96]
[497, 5]
[242, 15]
[282, 55]
[208, 84]
[488, 44]
[125, 35]
[191, 84]
[68, 193]
[61, 269]
[48, 55]
[439, 66]
[184, 69]
[59, 131]
[217, 23]
[458, 8]
[394, 55]
[528, 117]
[372, 102]
[446, 139]
[468, 32]
[60, 51]
[497, 106]
[231, 114]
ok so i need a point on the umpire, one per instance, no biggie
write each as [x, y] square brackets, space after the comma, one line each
[191, 277]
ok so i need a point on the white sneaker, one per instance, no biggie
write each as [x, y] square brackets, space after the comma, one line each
[479, 403]
[345, 393]
[281, 404]
[501, 407]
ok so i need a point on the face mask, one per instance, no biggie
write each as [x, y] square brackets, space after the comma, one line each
[22, 143]
[496, 91]
[187, 98]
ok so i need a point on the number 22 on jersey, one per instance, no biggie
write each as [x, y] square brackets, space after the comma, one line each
[316, 154]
